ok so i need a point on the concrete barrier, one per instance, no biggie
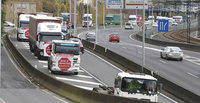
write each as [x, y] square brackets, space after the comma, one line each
[168, 86]
[63, 89]
[186, 46]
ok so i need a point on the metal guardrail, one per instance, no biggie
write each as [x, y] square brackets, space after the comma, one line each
[168, 86]
[63, 89]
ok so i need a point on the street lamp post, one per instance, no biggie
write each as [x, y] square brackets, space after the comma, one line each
[104, 14]
[143, 38]
[96, 21]
[87, 17]
[70, 19]
[75, 17]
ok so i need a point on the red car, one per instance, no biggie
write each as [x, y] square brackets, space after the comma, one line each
[114, 37]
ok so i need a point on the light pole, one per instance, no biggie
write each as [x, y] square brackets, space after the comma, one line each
[143, 38]
[75, 17]
[0, 37]
[70, 11]
[96, 21]
[87, 17]
[104, 14]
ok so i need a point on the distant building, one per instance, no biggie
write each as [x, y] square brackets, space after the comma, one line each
[12, 7]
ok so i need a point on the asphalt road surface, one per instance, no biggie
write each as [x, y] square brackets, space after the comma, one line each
[185, 73]
[94, 70]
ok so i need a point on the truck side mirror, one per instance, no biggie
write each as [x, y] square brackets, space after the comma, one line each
[50, 48]
[116, 83]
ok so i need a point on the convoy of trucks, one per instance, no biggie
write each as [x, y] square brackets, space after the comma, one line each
[46, 39]
[87, 20]
[113, 19]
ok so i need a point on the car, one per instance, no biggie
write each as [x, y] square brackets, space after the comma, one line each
[128, 25]
[172, 52]
[9, 24]
[90, 36]
[114, 37]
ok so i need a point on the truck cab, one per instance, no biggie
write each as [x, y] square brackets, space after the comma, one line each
[23, 27]
[47, 32]
[132, 19]
[87, 20]
[65, 57]
[133, 85]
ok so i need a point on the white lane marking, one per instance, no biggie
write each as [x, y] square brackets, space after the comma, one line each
[43, 61]
[80, 71]
[55, 96]
[163, 61]
[45, 66]
[2, 101]
[104, 60]
[83, 76]
[192, 59]
[192, 75]
[87, 88]
[79, 81]
[94, 77]
[167, 97]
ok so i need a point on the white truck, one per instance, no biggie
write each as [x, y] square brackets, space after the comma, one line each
[132, 19]
[23, 26]
[42, 31]
[132, 85]
[65, 57]
[87, 20]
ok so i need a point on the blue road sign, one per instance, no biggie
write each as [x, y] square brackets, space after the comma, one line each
[163, 25]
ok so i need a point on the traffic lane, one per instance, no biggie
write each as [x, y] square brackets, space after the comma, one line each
[15, 88]
[83, 80]
[184, 73]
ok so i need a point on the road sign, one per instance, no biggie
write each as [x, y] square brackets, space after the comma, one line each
[70, 24]
[139, 23]
[136, 4]
[163, 25]
[114, 4]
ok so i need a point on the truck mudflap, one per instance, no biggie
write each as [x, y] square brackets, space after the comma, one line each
[47, 48]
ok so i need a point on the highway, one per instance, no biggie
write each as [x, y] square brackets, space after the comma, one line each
[16, 88]
[185, 73]
[94, 70]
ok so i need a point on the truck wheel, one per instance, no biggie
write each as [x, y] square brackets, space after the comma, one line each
[18, 39]
[75, 73]
[31, 48]
[161, 55]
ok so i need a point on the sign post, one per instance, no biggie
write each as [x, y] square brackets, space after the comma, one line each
[163, 25]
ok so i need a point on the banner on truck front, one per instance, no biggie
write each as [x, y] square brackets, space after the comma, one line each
[114, 4]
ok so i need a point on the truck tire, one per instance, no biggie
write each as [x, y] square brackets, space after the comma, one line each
[31, 48]
[18, 39]
[75, 73]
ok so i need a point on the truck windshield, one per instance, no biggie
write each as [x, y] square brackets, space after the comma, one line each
[133, 19]
[143, 86]
[109, 18]
[44, 38]
[67, 49]
[24, 24]
[87, 18]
